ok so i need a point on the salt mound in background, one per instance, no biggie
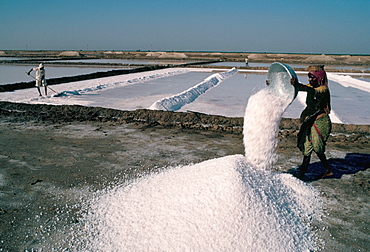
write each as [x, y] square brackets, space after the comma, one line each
[222, 204]
[173, 55]
[356, 59]
[255, 56]
[320, 58]
[70, 54]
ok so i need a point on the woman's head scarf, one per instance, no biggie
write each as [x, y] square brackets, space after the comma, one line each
[319, 72]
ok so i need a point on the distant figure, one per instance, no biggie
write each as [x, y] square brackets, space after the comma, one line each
[315, 121]
[40, 78]
[246, 61]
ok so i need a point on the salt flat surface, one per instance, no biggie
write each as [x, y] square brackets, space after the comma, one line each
[229, 98]
[17, 73]
[141, 90]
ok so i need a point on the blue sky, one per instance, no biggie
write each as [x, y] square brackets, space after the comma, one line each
[292, 26]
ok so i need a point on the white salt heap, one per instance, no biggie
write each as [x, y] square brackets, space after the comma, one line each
[218, 205]
[234, 203]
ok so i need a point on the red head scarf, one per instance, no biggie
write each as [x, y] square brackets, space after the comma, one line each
[320, 74]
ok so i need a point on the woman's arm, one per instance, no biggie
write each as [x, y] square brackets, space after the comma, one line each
[301, 87]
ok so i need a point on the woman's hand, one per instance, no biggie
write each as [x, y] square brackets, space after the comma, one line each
[293, 81]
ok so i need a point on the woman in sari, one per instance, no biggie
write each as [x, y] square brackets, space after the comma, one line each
[315, 121]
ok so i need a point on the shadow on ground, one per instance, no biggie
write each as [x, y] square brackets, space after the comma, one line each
[351, 164]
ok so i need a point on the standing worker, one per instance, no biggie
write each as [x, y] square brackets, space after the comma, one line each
[40, 78]
[315, 121]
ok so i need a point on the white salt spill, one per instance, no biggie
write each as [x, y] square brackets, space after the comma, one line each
[234, 203]
[261, 126]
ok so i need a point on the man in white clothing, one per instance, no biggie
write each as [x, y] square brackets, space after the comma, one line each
[40, 78]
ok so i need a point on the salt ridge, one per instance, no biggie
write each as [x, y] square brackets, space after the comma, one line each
[177, 101]
[348, 81]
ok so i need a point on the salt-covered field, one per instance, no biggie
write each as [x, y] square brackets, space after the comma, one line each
[17, 73]
[350, 95]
